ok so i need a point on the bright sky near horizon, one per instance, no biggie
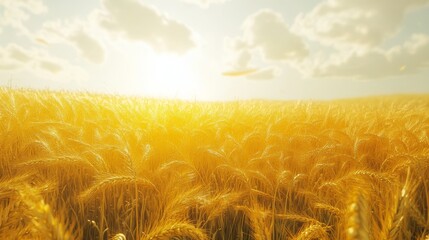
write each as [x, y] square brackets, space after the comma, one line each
[217, 49]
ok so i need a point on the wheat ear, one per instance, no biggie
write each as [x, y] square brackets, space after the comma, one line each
[176, 230]
[45, 222]
[119, 236]
[314, 231]
[358, 221]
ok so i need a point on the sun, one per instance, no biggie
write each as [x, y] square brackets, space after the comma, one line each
[171, 76]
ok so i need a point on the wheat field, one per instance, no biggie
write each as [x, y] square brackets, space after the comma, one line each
[88, 166]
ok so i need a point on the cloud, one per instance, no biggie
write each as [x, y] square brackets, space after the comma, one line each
[359, 23]
[408, 58]
[356, 29]
[136, 21]
[266, 33]
[16, 12]
[15, 58]
[205, 3]
[240, 66]
[50, 66]
[18, 54]
[264, 74]
[74, 34]
[88, 46]
[241, 59]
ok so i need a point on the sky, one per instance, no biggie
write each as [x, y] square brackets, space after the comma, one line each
[217, 49]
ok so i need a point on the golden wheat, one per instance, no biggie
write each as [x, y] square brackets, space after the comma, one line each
[88, 166]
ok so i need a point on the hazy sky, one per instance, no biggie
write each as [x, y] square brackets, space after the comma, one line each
[217, 49]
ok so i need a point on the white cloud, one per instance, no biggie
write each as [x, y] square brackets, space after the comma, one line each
[136, 21]
[408, 58]
[16, 12]
[74, 34]
[360, 23]
[49, 66]
[15, 58]
[18, 54]
[205, 3]
[87, 45]
[267, 33]
[356, 29]
[240, 60]
[241, 66]
[240, 56]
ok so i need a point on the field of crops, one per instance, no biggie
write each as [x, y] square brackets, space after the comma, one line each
[82, 166]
